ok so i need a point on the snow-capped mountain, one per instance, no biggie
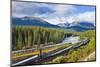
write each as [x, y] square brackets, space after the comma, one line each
[78, 26]
[67, 24]
[63, 24]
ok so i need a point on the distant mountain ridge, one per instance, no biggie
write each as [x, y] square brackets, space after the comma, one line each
[34, 21]
[78, 26]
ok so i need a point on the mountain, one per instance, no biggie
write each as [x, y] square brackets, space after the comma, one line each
[78, 26]
[35, 21]
[63, 24]
[31, 21]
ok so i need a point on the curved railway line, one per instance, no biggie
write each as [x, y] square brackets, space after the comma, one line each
[36, 59]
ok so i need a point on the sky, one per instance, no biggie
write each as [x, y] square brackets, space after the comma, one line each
[54, 13]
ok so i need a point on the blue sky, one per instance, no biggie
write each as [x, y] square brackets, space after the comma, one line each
[82, 9]
[54, 13]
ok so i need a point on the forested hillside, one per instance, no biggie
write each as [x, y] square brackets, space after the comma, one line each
[24, 37]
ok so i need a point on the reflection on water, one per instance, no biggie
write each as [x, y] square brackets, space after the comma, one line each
[72, 39]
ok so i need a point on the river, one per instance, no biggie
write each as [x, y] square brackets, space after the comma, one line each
[71, 39]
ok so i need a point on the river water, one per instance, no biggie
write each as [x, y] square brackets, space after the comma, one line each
[71, 39]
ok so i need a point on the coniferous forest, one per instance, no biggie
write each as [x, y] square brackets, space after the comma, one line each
[25, 37]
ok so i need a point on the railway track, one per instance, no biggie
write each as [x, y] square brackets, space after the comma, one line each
[37, 58]
[32, 49]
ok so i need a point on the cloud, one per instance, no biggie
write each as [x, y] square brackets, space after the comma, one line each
[83, 17]
[53, 13]
[87, 16]
[43, 9]
[29, 9]
[64, 10]
[56, 20]
[60, 14]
